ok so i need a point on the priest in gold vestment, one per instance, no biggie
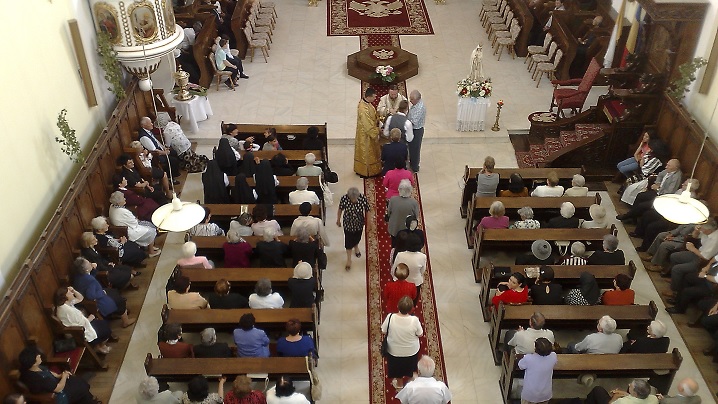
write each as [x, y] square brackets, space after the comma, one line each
[367, 154]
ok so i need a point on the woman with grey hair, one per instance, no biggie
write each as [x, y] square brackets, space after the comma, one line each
[303, 248]
[399, 208]
[271, 251]
[610, 255]
[578, 187]
[237, 252]
[497, 218]
[141, 232]
[129, 252]
[527, 219]
[149, 393]
[566, 220]
[352, 211]
[303, 194]
[309, 169]
[263, 297]
[302, 285]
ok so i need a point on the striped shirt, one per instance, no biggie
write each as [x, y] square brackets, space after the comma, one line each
[573, 260]
[650, 165]
[417, 114]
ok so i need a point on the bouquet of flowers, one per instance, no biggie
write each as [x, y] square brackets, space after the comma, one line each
[193, 89]
[385, 73]
[471, 88]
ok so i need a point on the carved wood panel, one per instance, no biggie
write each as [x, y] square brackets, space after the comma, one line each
[44, 279]
[85, 206]
[29, 310]
[660, 47]
[96, 185]
[13, 342]
[60, 250]
[73, 226]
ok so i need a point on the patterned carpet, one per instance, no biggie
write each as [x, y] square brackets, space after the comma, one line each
[363, 17]
[378, 248]
[538, 153]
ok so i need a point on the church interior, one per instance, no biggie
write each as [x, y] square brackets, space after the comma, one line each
[310, 74]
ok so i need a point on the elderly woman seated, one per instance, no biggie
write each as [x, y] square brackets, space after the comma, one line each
[497, 218]
[603, 341]
[610, 255]
[516, 187]
[655, 340]
[159, 177]
[271, 250]
[97, 331]
[551, 188]
[119, 276]
[263, 297]
[302, 194]
[242, 392]
[182, 298]
[109, 302]
[149, 393]
[621, 294]
[527, 219]
[237, 252]
[39, 380]
[302, 285]
[210, 348]
[141, 232]
[567, 220]
[304, 248]
[129, 252]
[540, 254]
[172, 346]
[587, 294]
[578, 254]
[578, 187]
[295, 344]
[222, 298]
[144, 207]
[250, 341]
[598, 218]
[309, 169]
[243, 225]
[191, 260]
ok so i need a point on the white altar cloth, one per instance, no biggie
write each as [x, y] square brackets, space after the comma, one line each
[471, 114]
[192, 111]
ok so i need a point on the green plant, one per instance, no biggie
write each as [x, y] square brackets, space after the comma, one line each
[109, 63]
[679, 86]
[68, 140]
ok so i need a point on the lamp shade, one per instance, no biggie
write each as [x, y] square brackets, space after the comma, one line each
[681, 209]
[177, 215]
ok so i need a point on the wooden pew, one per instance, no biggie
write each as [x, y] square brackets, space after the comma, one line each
[528, 174]
[522, 238]
[286, 181]
[295, 157]
[566, 40]
[174, 369]
[283, 213]
[570, 366]
[544, 209]
[212, 246]
[202, 47]
[291, 137]
[566, 275]
[566, 317]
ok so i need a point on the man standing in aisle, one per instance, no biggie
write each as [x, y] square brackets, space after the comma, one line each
[389, 103]
[367, 160]
[417, 114]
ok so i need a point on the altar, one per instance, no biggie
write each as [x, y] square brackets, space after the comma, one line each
[362, 65]
[471, 113]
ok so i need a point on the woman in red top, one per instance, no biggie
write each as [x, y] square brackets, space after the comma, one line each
[393, 291]
[622, 294]
[242, 393]
[513, 291]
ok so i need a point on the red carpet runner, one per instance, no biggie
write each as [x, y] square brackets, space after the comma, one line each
[378, 249]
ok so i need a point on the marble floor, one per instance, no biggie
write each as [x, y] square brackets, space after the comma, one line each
[305, 82]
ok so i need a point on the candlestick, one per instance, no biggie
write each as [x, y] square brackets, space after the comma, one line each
[496, 127]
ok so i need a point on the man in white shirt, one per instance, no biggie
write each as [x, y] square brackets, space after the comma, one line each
[400, 121]
[604, 341]
[551, 188]
[302, 195]
[189, 36]
[689, 261]
[425, 389]
[164, 155]
[389, 104]
[524, 340]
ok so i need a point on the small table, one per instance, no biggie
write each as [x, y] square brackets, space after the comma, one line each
[471, 113]
[193, 110]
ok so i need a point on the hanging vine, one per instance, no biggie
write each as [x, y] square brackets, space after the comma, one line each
[109, 63]
[678, 88]
[68, 140]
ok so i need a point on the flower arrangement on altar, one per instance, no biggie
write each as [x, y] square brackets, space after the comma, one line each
[474, 88]
[385, 73]
[193, 89]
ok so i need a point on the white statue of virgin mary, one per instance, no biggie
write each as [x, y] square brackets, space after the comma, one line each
[477, 66]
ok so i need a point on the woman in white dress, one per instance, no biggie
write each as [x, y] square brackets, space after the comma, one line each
[97, 331]
[141, 232]
[283, 393]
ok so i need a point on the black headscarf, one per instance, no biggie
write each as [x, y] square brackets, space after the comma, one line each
[248, 166]
[264, 183]
[589, 288]
[280, 165]
[226, 160]
[242, 192]
[213, 182]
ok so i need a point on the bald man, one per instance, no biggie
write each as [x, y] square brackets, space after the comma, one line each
[687, 389]
[667, 182]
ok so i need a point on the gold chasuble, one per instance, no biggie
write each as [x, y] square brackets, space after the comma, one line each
[367, 155]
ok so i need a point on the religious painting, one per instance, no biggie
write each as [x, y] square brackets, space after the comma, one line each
[106, 19]
[169, 16]
[143, 21]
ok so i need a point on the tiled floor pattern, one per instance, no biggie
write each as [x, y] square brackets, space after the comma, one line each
[305, 81]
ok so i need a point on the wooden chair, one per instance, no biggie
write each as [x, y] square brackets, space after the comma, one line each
[508, 43]
[542, 58]
[83, 347]
[501, 26]
[263, 18]
[495, 17]
[219, 74]
[268, 6]
[506, 33]
[489, 6]
[548, 68]
[536, 49]
[254, 44]
[260, 32]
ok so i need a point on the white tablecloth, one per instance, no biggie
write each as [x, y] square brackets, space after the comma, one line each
[471, 113]
[192, 111]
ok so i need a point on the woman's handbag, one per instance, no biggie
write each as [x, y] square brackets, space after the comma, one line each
[63, 345]
[316, 383]
[385, 342]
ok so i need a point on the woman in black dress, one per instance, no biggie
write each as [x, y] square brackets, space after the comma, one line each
[119, 276]
[304, 248]
[545, 291]
[130, 252]
[242, 192]
[225, 157]
[353, 208]
[213, 182]
[301, 285]
[39, 379]
[265, 183]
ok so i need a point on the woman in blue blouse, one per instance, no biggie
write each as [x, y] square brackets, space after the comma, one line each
[295, 344]
[251, 342]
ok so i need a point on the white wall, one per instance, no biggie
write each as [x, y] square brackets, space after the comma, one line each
[39, 78]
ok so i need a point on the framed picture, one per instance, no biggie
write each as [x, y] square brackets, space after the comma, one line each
[106, 18]
[169, 16]
[143, 21]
